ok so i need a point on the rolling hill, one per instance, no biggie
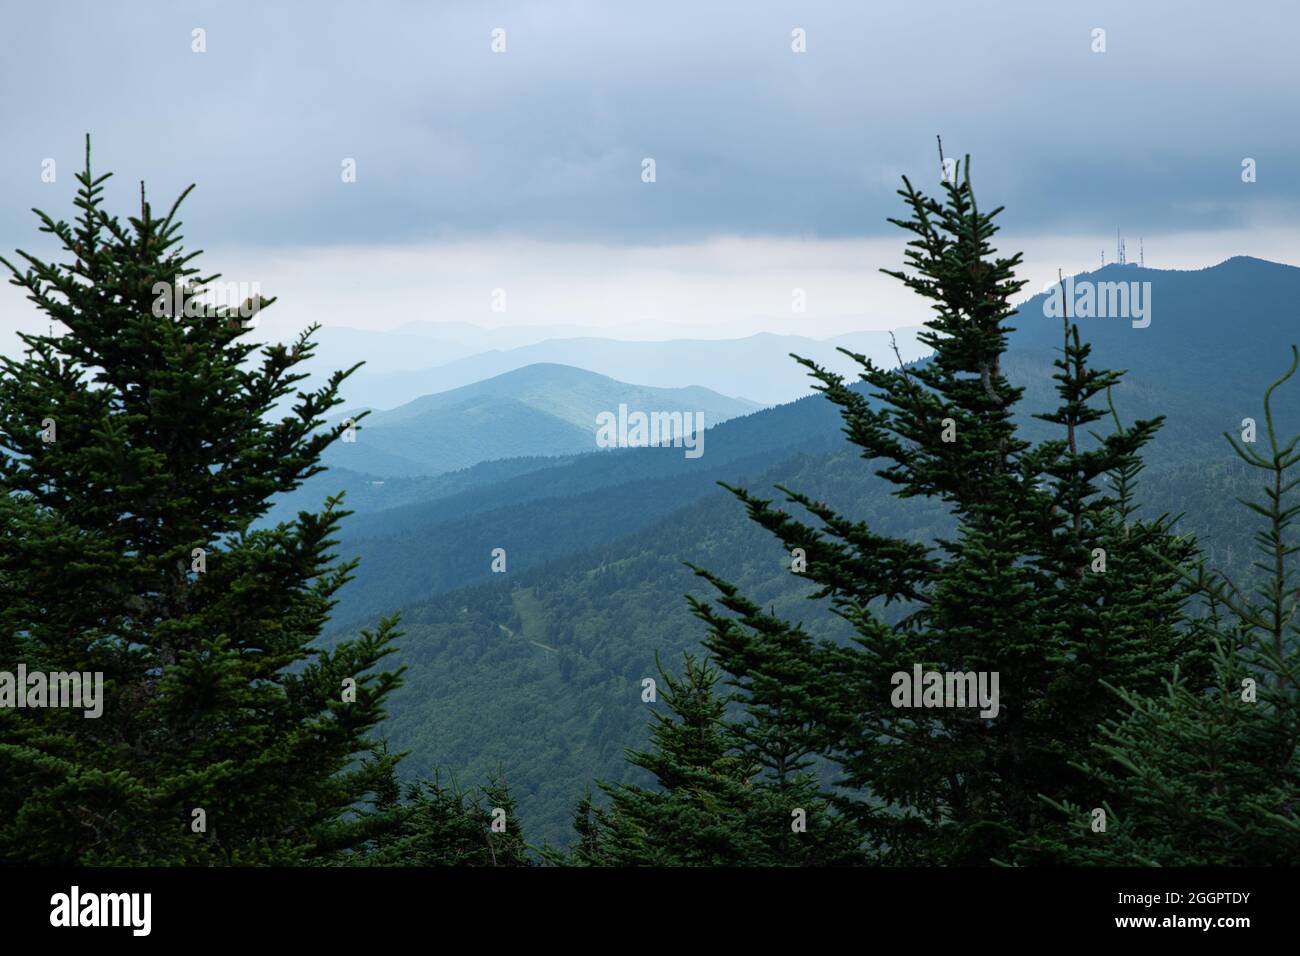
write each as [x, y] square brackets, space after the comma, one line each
[539, 410]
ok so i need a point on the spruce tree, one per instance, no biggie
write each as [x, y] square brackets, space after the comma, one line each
[1047, 582]
[1206, 771]
[711, 807]
[444, 825]
[142, 439]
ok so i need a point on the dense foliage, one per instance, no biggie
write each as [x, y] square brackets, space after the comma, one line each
[140, 446]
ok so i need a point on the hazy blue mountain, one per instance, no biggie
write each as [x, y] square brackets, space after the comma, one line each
[532, 411]
[757, 367]
[539, 515]
[572, 395]
[536, 671]
[1217, 337]
[423, 344]
[486, 516]
[543, 515]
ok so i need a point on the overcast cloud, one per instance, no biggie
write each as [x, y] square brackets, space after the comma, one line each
[461, 150]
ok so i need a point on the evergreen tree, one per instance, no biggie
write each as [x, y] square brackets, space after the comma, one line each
[710, 807]
[1206, 772]
[446, 826]
[1047, 582]
[384, 821]
[140, 445]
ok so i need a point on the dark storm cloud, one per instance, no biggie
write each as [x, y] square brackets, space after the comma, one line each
[547, 139]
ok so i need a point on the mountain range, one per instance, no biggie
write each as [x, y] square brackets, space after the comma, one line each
[535, 672]
[401, 367]
[538, 410]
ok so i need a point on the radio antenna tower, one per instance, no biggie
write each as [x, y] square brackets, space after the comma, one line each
[1142, 256]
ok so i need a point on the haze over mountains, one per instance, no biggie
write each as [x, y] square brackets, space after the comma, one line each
[1196, 335]
[537, 670]
[401, 366]
[541, 409]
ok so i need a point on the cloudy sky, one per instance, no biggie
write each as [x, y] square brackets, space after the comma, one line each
[774, 170]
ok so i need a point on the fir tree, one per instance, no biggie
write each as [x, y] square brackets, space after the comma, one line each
[372, 833]
[710, 807]
[1206, 772]
[444, 825]
[1046, 582]
[141, 440]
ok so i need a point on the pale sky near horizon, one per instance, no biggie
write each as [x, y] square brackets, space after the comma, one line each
[775, 170]
[719, 288]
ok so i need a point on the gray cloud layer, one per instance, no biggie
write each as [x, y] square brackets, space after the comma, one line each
[547, 139]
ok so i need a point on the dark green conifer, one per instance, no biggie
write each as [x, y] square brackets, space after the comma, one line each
[1205, 771]
[140, 442]
[444, 825]
[1047, 582]
[711, 806]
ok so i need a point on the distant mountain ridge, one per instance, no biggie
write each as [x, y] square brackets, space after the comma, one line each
[539, 410]
[757, 367]
[538, 670]
[1201, 391]
[1217, 337]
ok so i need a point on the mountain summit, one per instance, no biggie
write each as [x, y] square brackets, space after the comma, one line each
[543, 409]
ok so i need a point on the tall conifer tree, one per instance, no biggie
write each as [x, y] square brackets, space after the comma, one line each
[1048, 582]
[1205, 771]
[141, 440]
